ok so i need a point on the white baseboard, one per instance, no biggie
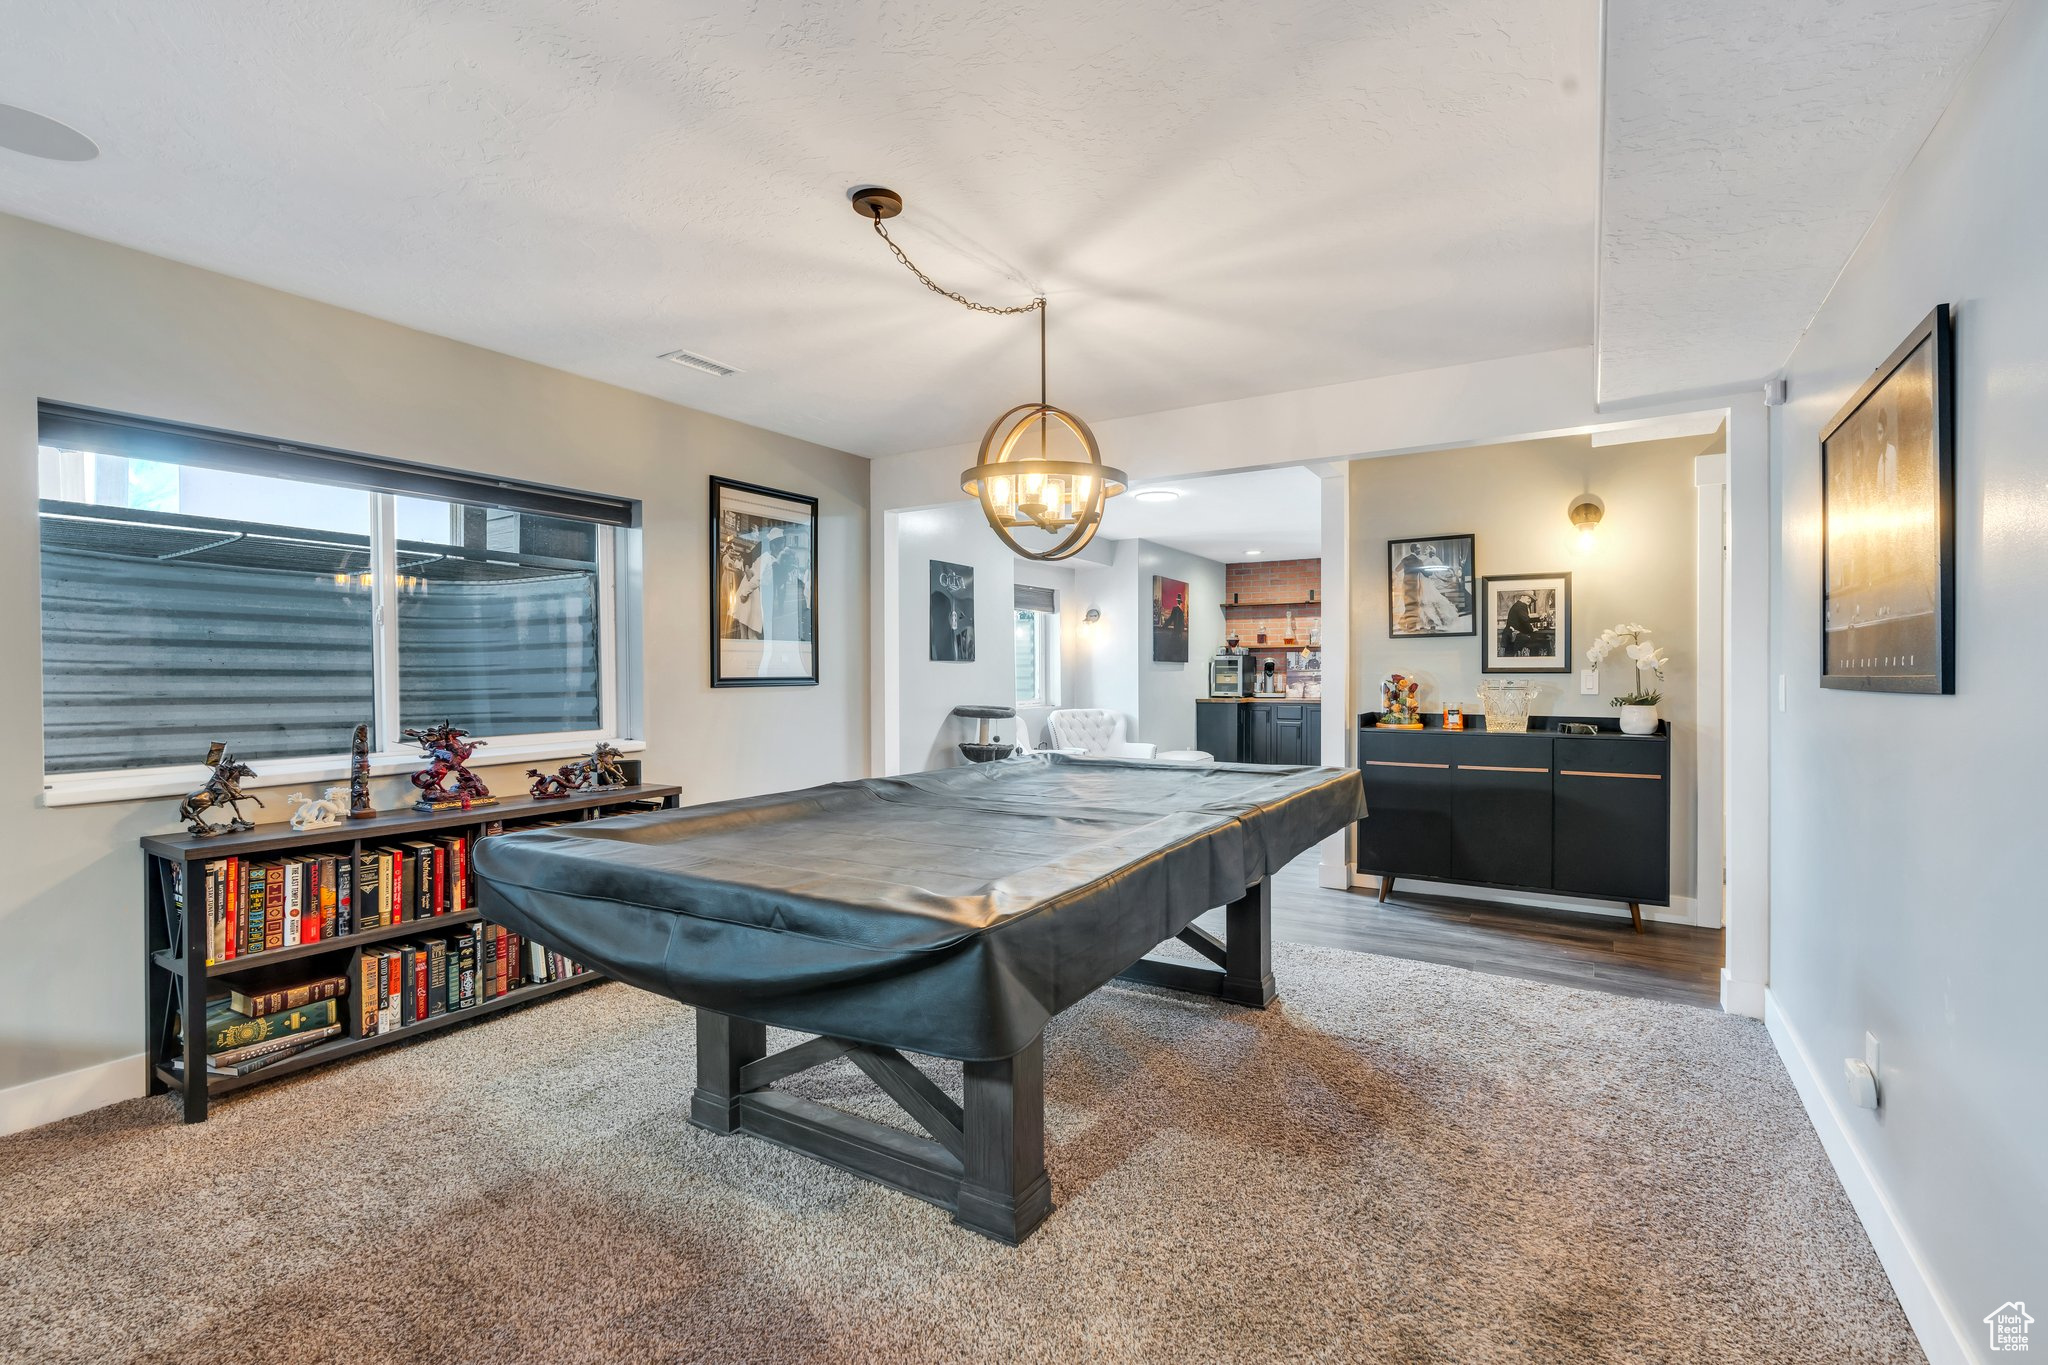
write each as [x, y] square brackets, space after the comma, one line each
[1745, 998]
[1943, 1335]
[1682, 910]
[34, 1103]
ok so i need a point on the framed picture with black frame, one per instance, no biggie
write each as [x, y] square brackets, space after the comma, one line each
[1528, 623]
[764, 586]
[1888, 519]
[1430, 588]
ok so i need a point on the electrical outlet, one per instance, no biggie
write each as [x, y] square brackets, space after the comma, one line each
[1589, 682]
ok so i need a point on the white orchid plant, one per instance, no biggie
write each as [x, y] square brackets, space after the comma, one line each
[1634, 638]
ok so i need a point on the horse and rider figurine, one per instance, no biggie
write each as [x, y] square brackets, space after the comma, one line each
[222, 792]
[603, 768]
[447, 751]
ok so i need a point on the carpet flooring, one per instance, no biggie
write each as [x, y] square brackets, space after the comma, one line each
[1398, 1162]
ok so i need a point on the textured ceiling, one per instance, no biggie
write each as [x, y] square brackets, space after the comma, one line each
[1749, 144]
[1220, 199]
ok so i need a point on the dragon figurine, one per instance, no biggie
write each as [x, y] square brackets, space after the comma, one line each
[447, 751]
[222, 790]
[603, 768]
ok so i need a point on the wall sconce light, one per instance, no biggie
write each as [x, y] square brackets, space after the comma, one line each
[1093, 616]
[1585, 512]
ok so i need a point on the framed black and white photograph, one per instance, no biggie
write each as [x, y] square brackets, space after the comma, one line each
[1888, 545]
[1528, 623]
[952, 609]
[1430, 588]
[764, 586]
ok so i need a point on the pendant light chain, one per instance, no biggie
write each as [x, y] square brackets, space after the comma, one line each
[933, 285]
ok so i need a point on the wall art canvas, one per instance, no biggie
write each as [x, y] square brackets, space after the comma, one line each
[1169, 620]
[1888, 550]
[952, 612]
[1528, 623]
[764, 586]
[1430, 588]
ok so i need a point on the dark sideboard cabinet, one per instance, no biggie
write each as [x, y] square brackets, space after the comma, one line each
[1566, 814]
[1254, 730]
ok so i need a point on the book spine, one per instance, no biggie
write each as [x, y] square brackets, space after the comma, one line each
[369, 972]
[344, 896]
[309, 902]
[437, 977]
[290, 998]
[459, 850]
[246, 1060]
[211, 876]
[440, 879]
[294, 885]
[231, 1031]
[390, 993]
[273, 907]
[401, 878]
[419, 984]
[232, 913]
[328, 871]
[465, 948]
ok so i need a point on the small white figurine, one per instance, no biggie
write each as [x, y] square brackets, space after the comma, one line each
[328, 810]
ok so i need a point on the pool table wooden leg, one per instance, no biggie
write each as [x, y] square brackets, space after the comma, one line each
[724, 1046]
[1004, 1191]
[1248, 947]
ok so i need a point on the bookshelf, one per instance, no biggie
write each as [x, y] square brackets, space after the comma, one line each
[179, 981]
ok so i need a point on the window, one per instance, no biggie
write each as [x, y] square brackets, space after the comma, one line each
[1037, 648]
[198, 585]
[1031, 688]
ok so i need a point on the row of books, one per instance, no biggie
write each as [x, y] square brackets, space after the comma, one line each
[393, 987]
[408, 982]
[255, 906]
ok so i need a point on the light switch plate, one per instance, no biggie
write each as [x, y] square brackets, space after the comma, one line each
[1589, 682]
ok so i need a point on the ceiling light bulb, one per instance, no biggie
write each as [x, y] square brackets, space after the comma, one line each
[1157, 494]
[1254, 553]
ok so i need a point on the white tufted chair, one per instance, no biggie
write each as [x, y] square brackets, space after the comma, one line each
[1096, 734]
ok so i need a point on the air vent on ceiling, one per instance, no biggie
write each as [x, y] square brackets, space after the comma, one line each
[698, 362]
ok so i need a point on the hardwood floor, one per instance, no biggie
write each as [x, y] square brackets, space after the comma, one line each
[1674, 962]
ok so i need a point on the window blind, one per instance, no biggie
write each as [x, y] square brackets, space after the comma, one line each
[143, 438]
[1035, 599]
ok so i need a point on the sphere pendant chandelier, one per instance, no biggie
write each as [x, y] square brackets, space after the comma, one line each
[1019, 480]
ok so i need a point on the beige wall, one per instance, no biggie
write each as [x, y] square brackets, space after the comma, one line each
[85, 322]
[1513, 499]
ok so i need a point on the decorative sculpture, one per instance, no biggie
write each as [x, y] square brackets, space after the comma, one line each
[447, 751]
[596, 773]
[222, 789]
[1400, 707]
[359, 807]
[328, 810]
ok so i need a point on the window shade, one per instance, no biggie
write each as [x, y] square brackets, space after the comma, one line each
[1035, 599]
[142, 438]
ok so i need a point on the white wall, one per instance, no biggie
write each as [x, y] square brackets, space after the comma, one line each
[1513, 500]
[85, 322]
[1167, 692]
[1905, 830]
[928, 691]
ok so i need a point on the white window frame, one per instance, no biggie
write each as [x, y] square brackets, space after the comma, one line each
[390, 757]
[1048, 671]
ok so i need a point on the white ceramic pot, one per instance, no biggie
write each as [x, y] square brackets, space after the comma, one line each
[1639, 720]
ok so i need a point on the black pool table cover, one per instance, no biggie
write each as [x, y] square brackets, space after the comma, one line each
[950, 913]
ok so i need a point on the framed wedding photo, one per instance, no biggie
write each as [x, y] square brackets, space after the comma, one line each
[1888, 513]
[1430, 587]
[764, 586]
[1528, 623]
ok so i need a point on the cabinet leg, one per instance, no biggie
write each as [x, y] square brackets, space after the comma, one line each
[1635, 912]
[1386, 886]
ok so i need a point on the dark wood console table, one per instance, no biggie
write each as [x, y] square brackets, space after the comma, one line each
[1571, 815]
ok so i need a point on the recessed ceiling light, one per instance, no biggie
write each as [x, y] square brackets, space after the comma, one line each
[704, 364]
[32, 134]
[1157, 494]
[1255, 552]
